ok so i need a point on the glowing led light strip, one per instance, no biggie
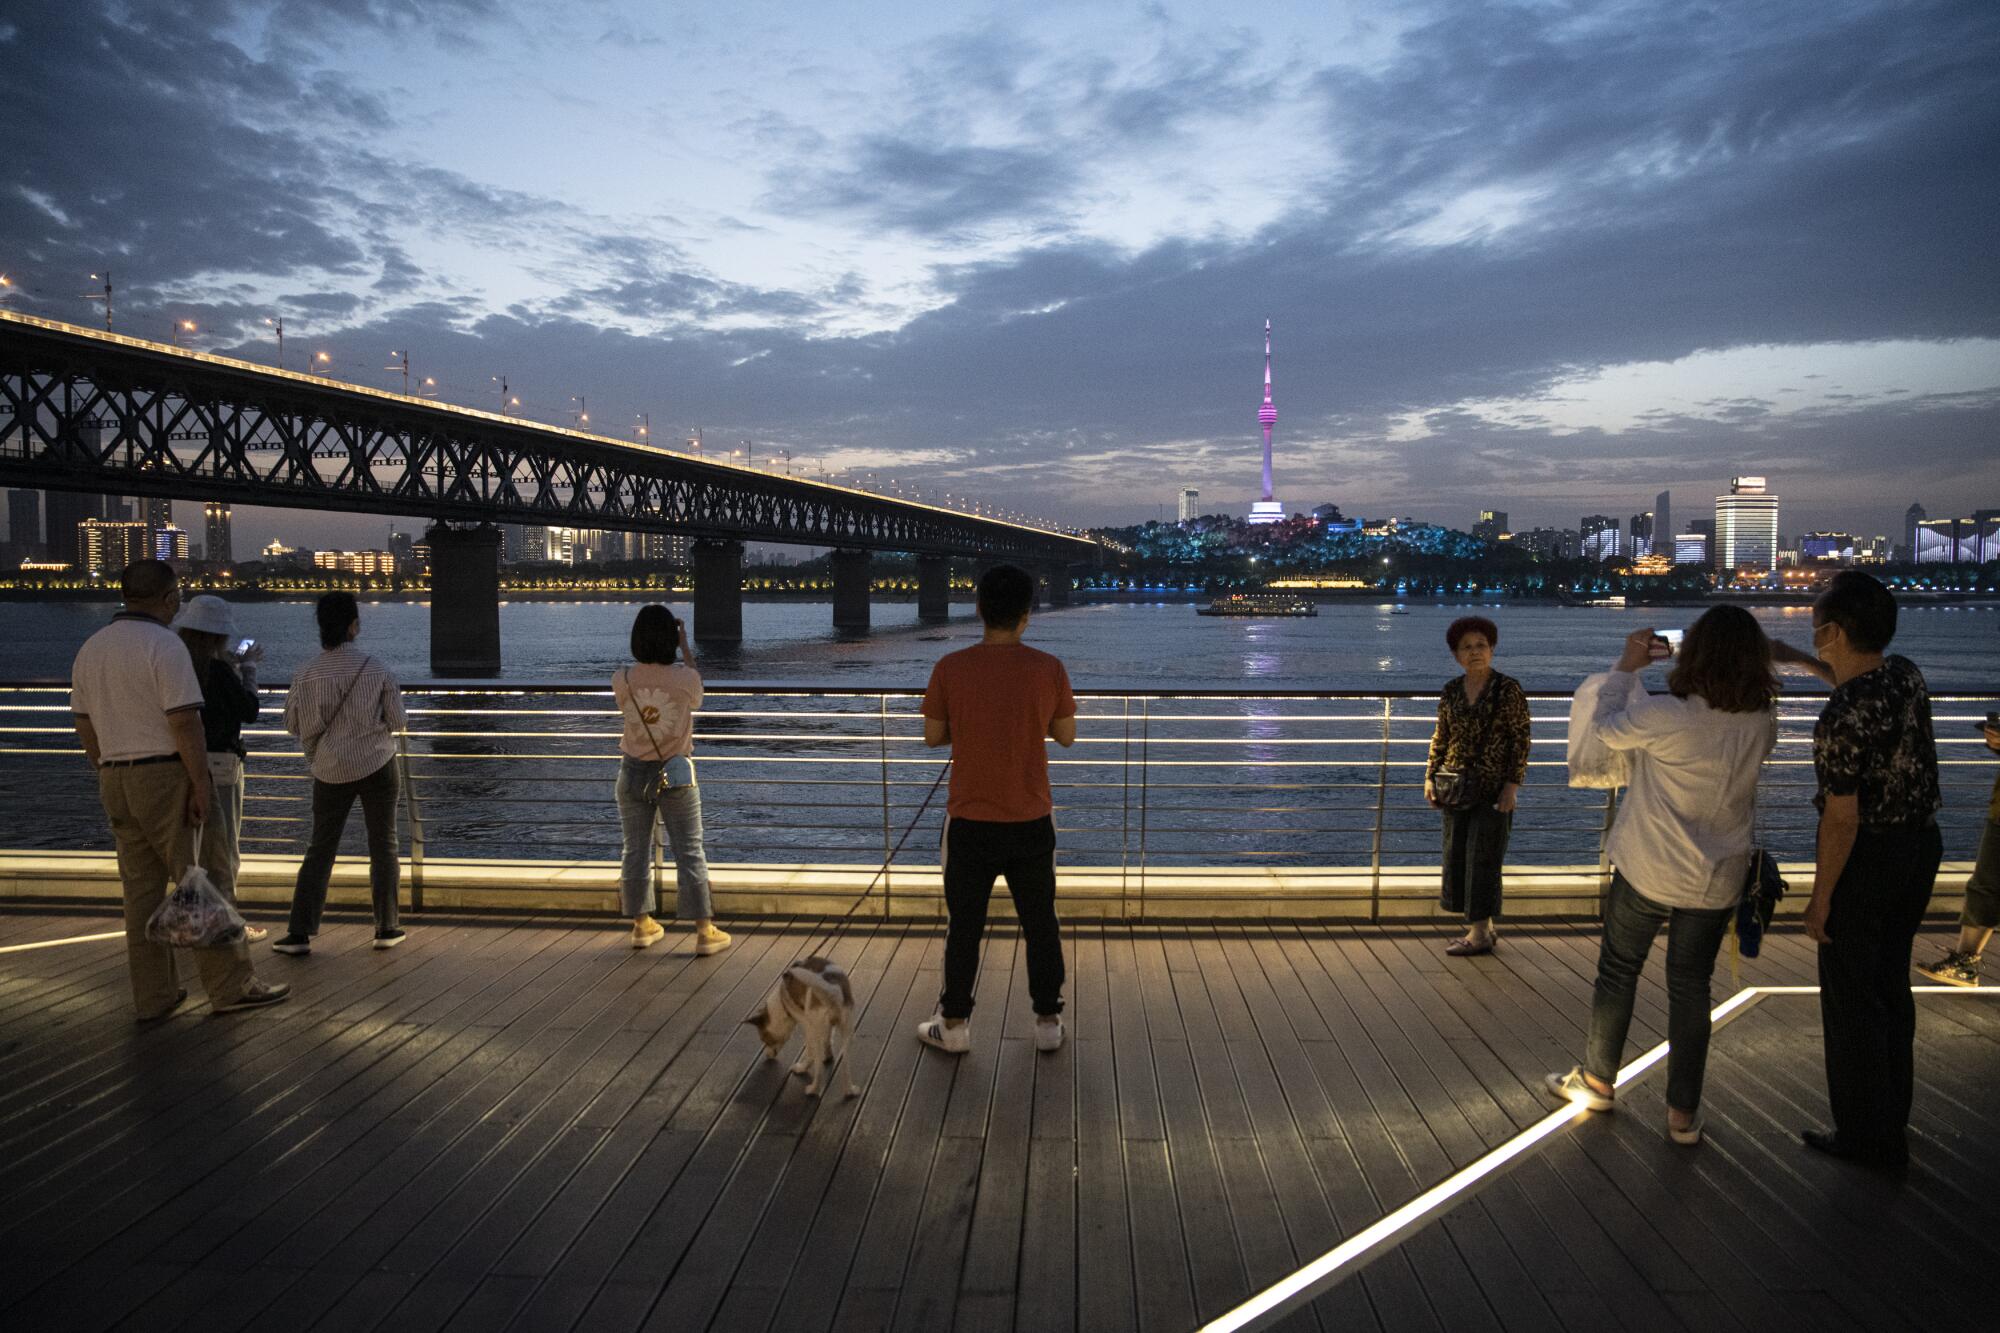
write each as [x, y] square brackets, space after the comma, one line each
[73, 939]
[1316, 1277]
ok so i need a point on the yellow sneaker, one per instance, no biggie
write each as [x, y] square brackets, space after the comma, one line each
[646, 936]
[710, 941]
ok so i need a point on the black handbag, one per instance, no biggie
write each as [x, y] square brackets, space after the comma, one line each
[1456, 789]
[1762, 888]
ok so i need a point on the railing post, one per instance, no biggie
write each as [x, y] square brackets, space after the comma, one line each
[1604, 848]
[1381, 808]
[413, 809]
[888, 848]
[1125, 817]
[1145, 771]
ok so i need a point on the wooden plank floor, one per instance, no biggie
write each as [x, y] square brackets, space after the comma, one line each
[527, 1125]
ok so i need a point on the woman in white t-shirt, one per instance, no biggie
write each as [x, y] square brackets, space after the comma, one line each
[657, 697]
[1681, 844]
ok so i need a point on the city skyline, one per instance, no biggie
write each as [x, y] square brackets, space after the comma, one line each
[1011, 250]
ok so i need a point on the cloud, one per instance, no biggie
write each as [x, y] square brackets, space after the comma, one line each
[1065, 239]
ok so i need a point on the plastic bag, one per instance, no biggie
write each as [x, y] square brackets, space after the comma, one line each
[1592, 763]
[195, 915]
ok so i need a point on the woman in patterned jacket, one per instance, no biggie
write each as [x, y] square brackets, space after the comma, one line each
[1478, 760]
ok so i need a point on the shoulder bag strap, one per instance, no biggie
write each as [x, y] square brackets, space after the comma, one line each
[640, 714]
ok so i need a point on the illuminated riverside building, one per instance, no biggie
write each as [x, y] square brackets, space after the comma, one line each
[168, 543]
[1956, 541]
[110, 544]
[356, 562]
[1190, 500]
[1492, 525]
[219, 547]
[1267, 510]
[1746, 527]
[1690, 548]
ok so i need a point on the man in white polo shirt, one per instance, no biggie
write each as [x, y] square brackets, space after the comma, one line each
[137, 709]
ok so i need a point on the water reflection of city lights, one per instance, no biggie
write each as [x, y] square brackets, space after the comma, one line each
[1260, 664]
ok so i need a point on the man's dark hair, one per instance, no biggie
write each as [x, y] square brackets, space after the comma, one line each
[1861, 606]
[335, 612]
[147, 580]
[1726, 660]
[1465, 625]
[1006, 593]
[656, 633]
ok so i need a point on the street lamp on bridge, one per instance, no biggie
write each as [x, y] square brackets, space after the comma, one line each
[405, 365]
[182, 326]
[104, 296]
[643, 432]
[279, 325]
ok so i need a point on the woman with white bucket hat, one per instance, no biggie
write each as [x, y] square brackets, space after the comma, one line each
[229, 699]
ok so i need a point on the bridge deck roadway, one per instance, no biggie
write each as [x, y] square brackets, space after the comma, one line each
[522, 1123]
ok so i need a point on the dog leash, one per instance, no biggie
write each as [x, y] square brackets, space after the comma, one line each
[908, 829]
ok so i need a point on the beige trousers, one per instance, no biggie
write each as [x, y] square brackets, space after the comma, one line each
[147, 807]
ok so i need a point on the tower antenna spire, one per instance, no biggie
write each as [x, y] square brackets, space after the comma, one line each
[1267, 510]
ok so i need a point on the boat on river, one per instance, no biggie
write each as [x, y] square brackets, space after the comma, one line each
[1258, 604]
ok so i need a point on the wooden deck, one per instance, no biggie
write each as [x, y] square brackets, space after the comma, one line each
[527, 1125]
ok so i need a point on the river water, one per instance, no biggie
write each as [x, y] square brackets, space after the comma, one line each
[1348, 646]
[1284, 784]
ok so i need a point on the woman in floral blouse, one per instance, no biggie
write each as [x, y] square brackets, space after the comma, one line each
[1478, 760]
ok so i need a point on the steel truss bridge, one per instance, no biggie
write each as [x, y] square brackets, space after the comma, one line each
[82, 410]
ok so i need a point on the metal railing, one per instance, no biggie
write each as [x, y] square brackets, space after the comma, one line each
[1320, 791]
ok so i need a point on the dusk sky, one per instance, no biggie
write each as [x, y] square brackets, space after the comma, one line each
[1547, 257]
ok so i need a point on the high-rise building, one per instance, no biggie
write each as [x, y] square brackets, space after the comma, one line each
[1746, 527]
[1911, 518]
[1600, 537]
[1492, 525]
[403, 546]
[1642, 529]
[217, 544]
[24, 523]
[1691, 548]
[1267, 510]
[67, 512]
[1663, 519]
[156, 513]
[664, 548]
[110, 544]
[168, 543]
[1190, 500]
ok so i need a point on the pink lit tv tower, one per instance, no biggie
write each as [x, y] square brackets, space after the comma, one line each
[1267, 510]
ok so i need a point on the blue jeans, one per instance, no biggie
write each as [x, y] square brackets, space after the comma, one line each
[679, 811]
[1694, 937]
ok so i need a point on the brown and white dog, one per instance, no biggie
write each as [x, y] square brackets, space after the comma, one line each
[812, 994]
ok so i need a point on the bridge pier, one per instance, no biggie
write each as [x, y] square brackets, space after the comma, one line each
[465, 600]
[933, 589]
[718, 591]
[850, 589]
[1058, 577]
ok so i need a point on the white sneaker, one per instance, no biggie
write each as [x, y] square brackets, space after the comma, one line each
[955, 1040]
[1574, 1087]
[1048, 1036]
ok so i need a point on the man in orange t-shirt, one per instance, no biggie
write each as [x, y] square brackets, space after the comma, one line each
[996, 704]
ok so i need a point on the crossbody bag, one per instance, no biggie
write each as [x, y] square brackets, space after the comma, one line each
[311, 744]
